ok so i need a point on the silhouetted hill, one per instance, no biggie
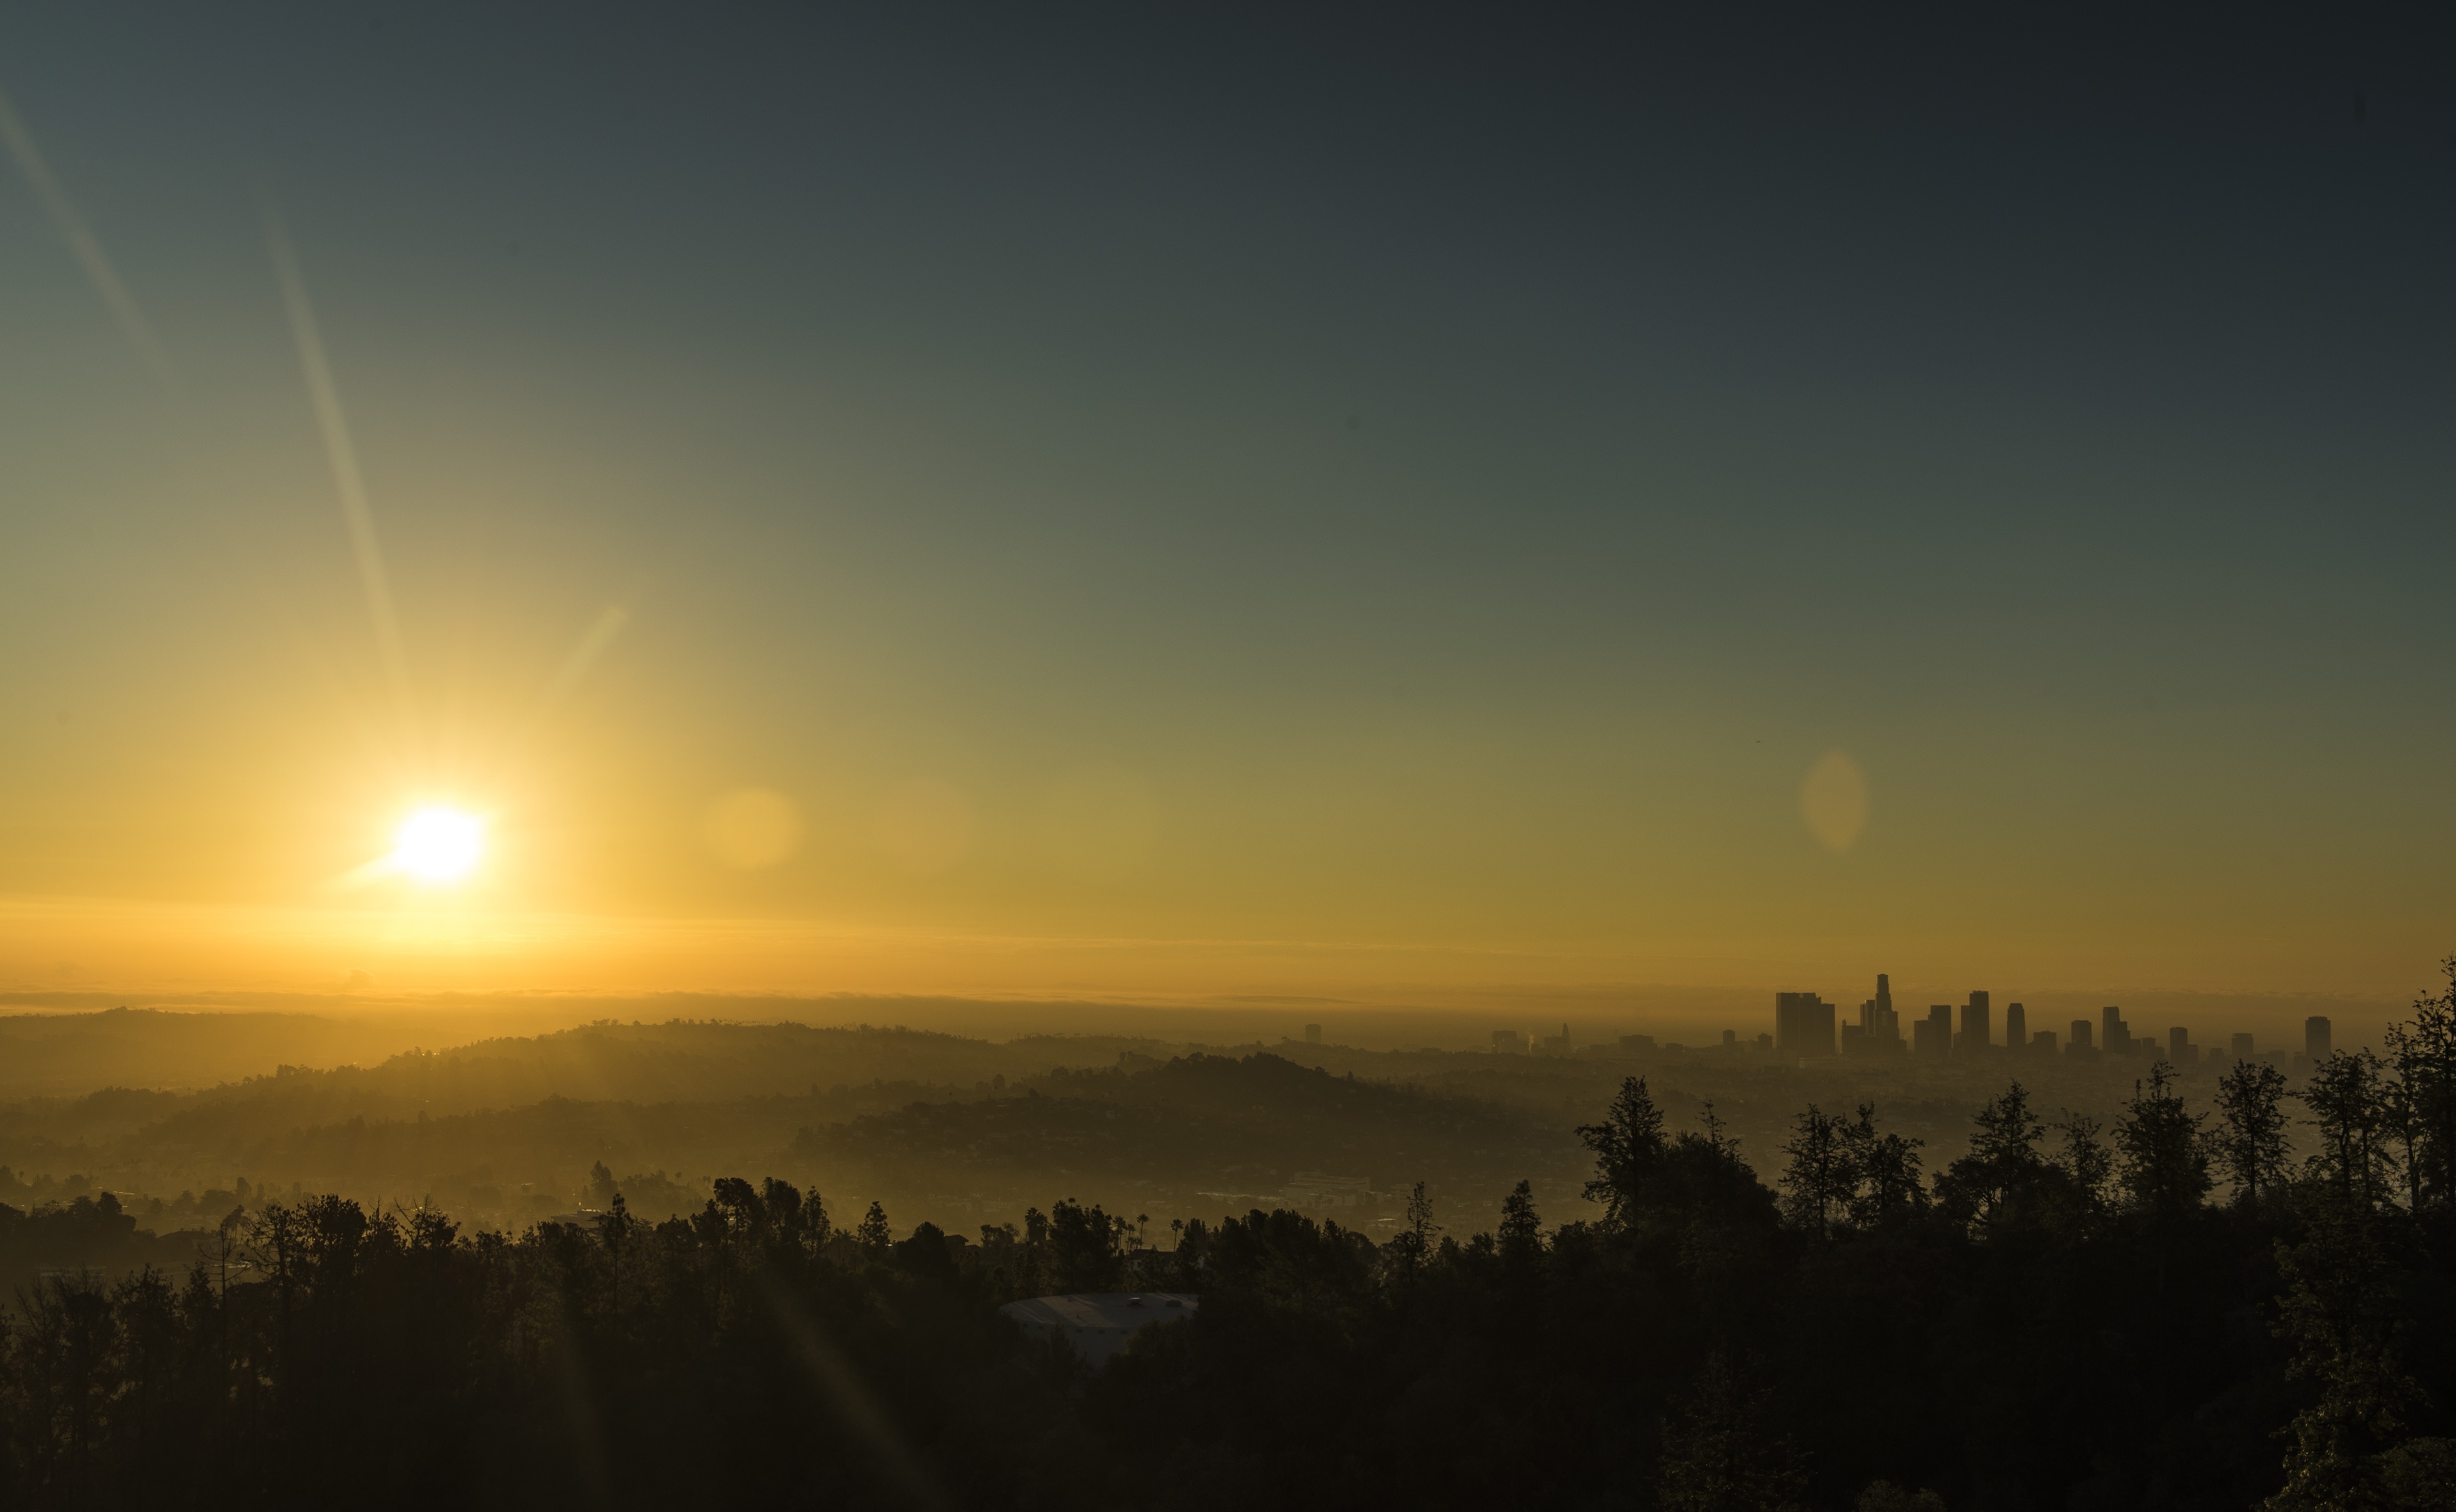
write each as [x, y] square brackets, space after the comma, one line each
[1228, 1127]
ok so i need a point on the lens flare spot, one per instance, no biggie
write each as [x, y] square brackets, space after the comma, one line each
[1834, 800]
[439, 845]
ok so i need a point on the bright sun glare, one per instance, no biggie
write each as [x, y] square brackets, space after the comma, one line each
[437, 844]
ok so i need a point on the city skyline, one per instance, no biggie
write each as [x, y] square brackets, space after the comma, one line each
[1806, 1026]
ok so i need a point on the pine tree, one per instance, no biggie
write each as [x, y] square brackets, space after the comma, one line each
[2349, 1107]
[2252, 1141]
[1411, 1248]
[2004, 1162]
[1521, 1231]
[2161, 1160]
[2086, 1159]
[1627, 1146]
[1887, 1170]
[2423, 1053]
[1820, 1180]
[874, 1235]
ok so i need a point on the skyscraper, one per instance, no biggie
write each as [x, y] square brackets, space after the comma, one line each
[1977, 1029]
[1803, 1025]
[2016, 1028]
[2242, 1047]
[2117, 1038]
[2315, 1035]
[1879, 1031]
[1933, 1036]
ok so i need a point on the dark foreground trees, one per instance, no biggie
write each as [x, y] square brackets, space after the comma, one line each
[2062, 1319]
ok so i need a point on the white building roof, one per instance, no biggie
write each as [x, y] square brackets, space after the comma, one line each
[1098, 1324]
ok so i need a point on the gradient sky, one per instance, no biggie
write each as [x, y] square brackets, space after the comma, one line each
[1255, 505]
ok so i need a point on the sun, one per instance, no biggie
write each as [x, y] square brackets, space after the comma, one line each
[439, 845]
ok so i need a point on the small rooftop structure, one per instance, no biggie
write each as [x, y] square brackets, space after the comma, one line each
[1098, 1324]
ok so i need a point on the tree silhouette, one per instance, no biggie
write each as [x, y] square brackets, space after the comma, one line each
[2422, 1051]
[2161, 1160]
[2252, 1141]
[1993, 1182]
[1521, 1232]
[1629, 1149]
[1720, 1454]
[2341, 1311]
[2086, 1161]
[2349, 1107]
[1885, 1167]
[1821, 1178]
[874, 1235]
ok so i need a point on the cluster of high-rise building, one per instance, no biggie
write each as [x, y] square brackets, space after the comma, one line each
[1804, 1026]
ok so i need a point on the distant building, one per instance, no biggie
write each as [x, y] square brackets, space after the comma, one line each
[1557, 1044]
[2043, 1042]
[1508, 1041]
[2079, 1047]
[1978, 1026]
[1731, 1041]
[1098, 1324]
[2117, 1038]
[1933, 1036]
[1803, 1025]
[2016, 1028]
[2242, 1047]
[1313, 1033]
[1765, 1044]
[1636, 1044]
[2179, 1048]
[2316, 1034]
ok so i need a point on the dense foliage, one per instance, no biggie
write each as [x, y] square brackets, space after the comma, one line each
[2161, 1312]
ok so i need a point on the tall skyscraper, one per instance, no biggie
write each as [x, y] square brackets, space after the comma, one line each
[2316, 1037]
[1933, 1036]
[1803, 1025]
[2117, 1038]
[1977, 1029]
[2079, 1047]
[2016, 1028]
[1885, 1033]
[2179, 1048]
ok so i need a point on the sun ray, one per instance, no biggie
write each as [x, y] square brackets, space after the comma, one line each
[346, 478]
[82, 241]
